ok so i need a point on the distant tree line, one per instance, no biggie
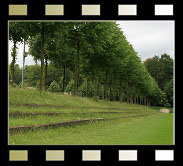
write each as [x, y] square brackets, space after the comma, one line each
[161, 69]
[92, 58]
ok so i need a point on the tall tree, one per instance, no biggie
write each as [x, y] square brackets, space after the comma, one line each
[160, 68]
[17, 33]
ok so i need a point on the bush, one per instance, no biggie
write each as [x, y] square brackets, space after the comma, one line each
[70, 86]
[14, 85]
[91, 89]
[96, 98]
[168, 90]
[54, 87]
[38, 84]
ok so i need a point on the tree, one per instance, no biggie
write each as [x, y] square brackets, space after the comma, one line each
[17, 33]
[32, 74]
[41, 32]
[17, 74]
[54, 87]
[96, 59]
[160, 68]
[168, 90]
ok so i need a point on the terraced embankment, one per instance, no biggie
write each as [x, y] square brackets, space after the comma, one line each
[32, 115]
[62, 116]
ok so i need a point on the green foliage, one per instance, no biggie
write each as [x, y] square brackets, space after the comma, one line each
[168, 90]
[160, 99]
[73, 52]
[70, 86]
[160, 68]
[14, 85]
[17, 74]
[91, 88]
[96, 98]
[32, 74]
[38, 84]
[54, 87]
[54, 73]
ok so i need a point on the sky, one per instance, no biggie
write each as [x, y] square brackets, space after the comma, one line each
[148, 38]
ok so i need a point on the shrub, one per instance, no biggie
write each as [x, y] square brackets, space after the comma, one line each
[96, 98]
[54, 87]
[70, 86]
[14, 85]
[168, 90]
[38, 84]
[91, 89]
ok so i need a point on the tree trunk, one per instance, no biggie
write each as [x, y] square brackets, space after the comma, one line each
[46, 73]
[142, 100]
[139, 101]
[13, 61]
[103, 92]
[106, 86]
[114, 89]
[63, 81]
[110, 92]
[128, 98]
[76, 70]
[42, 55]
[87, 82]
[145, 101]
[96, 86]
[120, 91]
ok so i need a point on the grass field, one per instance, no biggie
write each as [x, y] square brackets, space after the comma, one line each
[122, 123]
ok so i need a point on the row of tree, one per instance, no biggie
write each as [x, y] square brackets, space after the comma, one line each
[161, 69]
[91, 57]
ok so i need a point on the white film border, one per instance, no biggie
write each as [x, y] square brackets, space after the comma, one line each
[91, 155]
[91, 10]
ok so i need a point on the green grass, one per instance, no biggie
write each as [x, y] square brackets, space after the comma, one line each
[41, 109]
[44, 119]
[35, 97]
[155, 128]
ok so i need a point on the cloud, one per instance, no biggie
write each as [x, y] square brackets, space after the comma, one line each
[19, 59]
[150, 38]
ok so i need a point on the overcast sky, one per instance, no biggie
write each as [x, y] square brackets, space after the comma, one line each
[148, 38]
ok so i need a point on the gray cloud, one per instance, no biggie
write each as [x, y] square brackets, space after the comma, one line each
[150, 38]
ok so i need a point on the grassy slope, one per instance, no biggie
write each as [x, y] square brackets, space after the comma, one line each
[35, 97]
[154, 129]
[157, 129]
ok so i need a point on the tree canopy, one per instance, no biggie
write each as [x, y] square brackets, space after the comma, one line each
[93, 59]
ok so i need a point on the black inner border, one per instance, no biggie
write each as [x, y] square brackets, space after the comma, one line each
[109, 153]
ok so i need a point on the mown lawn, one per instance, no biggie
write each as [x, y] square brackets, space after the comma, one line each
[155, 130]
[128, 127]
